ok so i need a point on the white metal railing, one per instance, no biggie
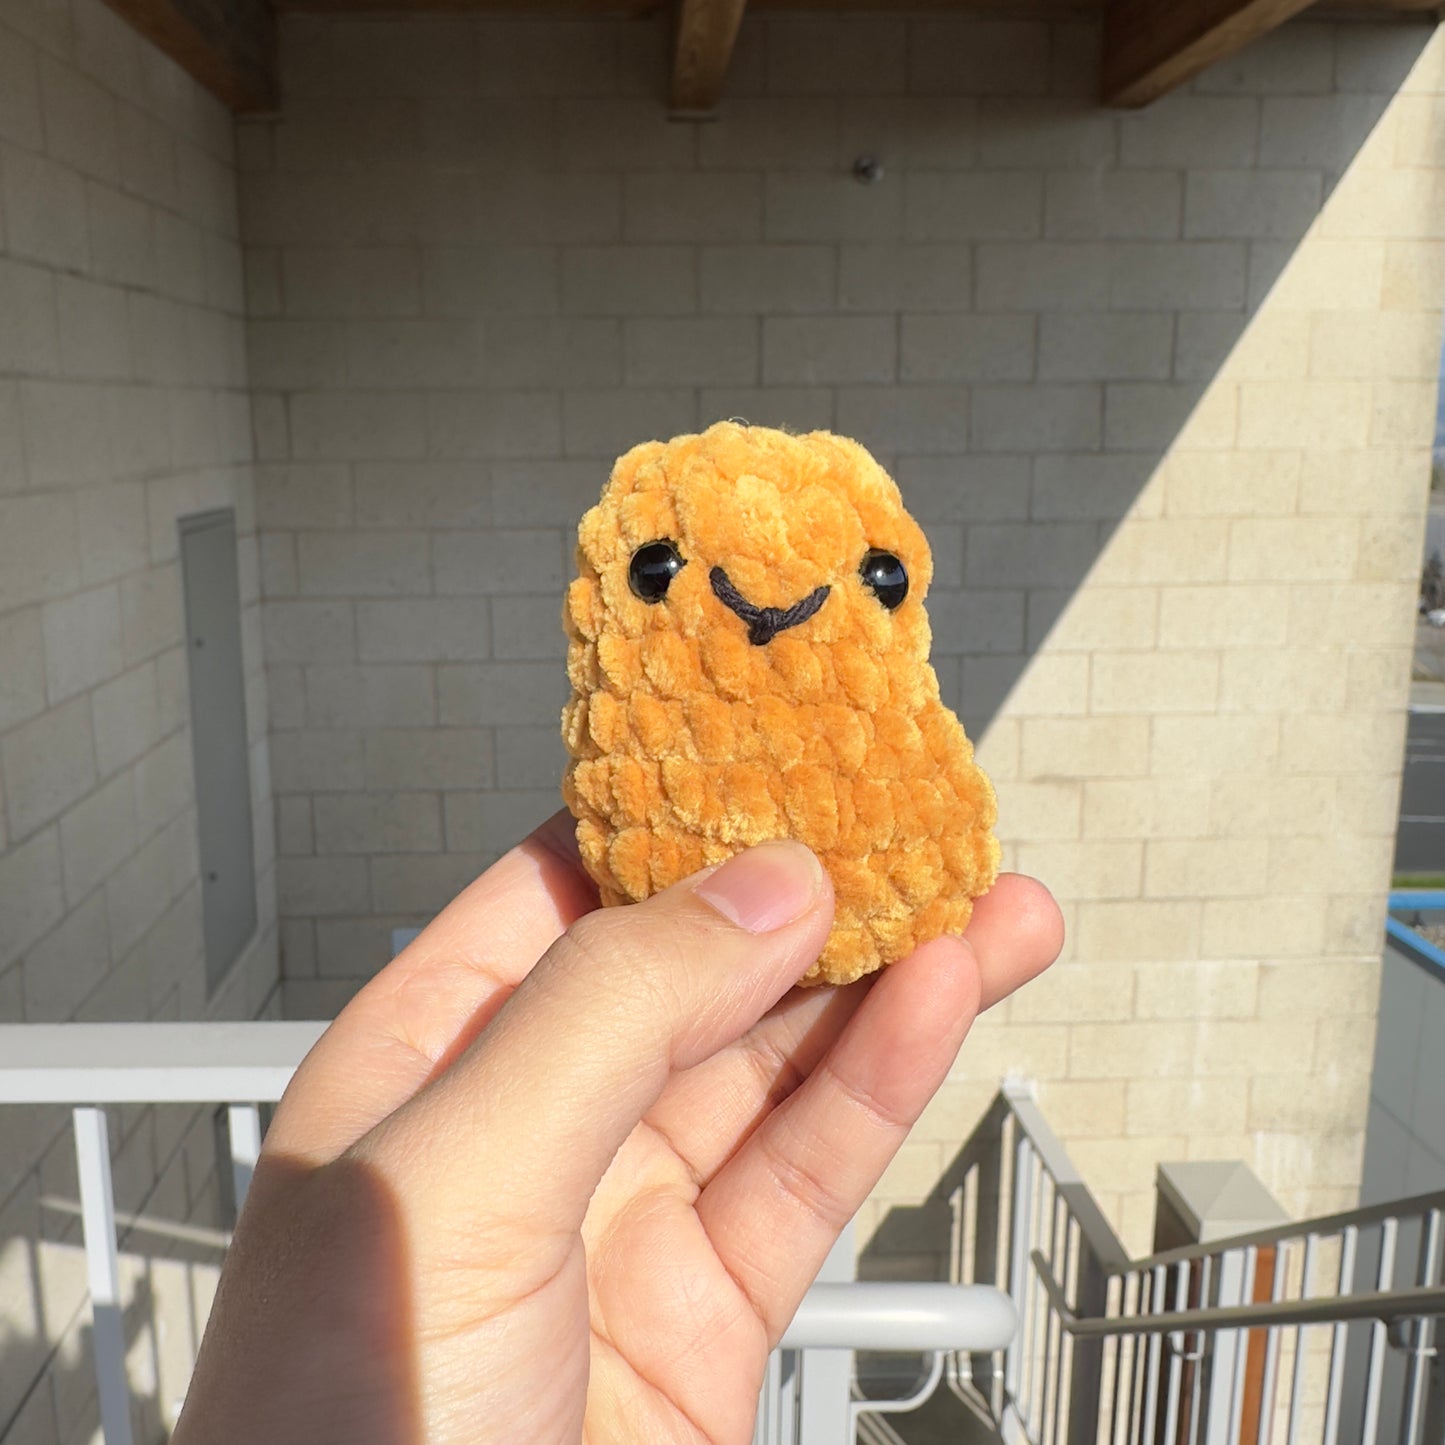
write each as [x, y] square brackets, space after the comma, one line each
[808, 1398]
[1320, 1332]
[241, 1065]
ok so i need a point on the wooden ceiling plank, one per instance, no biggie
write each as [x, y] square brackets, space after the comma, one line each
[706, 33]
[1153, 46]
[229, 46]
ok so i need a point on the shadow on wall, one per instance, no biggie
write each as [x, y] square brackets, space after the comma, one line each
[168, 1274]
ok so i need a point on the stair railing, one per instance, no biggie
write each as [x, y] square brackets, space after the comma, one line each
[1322, 1332]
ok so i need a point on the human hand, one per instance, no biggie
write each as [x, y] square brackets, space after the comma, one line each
[560, 1174]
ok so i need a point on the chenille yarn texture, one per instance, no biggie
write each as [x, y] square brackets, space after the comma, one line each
[770, 689]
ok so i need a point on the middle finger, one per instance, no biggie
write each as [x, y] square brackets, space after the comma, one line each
[709, 1110]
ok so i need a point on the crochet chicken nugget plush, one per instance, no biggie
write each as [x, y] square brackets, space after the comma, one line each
[749, 660]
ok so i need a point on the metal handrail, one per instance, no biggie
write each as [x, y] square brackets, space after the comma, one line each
[1298, 1229]
[164, 1063]
[904, 1318]
[1415, 946]
[1107, 1247]
[1387, 1306]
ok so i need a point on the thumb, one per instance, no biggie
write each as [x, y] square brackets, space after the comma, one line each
[522, 1127]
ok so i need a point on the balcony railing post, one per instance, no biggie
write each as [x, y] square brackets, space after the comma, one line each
[988, 1223]
[1086, 1370]
[97, 1205]
[1435, 1400]
[777, 1404]
[825, 1391]
[243, 1127]
[1020, 1271]
[1221, 1364]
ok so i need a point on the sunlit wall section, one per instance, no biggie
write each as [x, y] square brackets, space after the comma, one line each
[1203, 755]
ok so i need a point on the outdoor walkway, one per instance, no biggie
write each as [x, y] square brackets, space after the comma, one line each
[1420, 841]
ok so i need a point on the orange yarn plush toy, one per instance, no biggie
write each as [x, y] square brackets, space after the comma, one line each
[749, 660]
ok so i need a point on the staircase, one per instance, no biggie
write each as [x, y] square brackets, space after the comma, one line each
[1316, 1333]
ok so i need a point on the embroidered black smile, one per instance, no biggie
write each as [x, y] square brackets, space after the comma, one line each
[764, 623]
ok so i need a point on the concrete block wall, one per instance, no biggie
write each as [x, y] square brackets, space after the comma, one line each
[123, 406]
[1159, 385]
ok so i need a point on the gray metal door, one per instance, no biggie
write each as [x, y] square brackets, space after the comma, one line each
[218, 736]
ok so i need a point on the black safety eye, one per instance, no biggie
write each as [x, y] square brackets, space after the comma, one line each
[884, 573]
[652, 569]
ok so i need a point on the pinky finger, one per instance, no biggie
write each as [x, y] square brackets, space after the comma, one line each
[775, 1209]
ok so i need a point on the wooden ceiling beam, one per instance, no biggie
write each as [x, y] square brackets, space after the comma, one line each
[1153, 46]
[707, 30]
[227, 45]
[1375, 10]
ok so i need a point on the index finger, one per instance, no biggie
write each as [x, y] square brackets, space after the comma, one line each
[409, 1022]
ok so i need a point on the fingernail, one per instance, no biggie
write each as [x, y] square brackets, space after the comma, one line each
[765, 888]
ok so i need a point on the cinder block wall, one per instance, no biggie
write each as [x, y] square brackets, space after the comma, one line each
[122, 406]
[1160, 386]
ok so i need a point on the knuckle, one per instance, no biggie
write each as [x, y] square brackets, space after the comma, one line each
[635, 966]
[811, 1184]
[877, 1111]
[588, 948]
